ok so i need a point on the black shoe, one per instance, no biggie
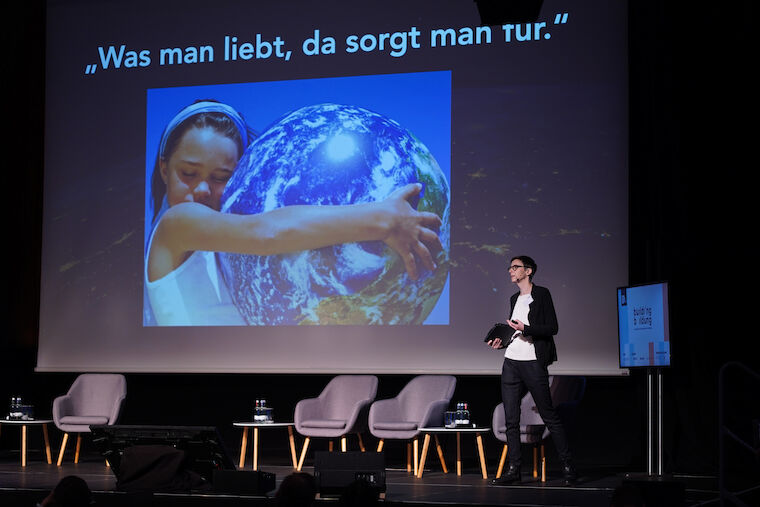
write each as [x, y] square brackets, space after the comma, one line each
[511, 476]
[569, 474]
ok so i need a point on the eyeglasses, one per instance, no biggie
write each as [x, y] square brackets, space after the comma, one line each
[515, 267]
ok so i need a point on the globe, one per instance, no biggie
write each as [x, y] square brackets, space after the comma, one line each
[330, 154]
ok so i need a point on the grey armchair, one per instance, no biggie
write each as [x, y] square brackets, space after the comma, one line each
[340, 409]
[566, 393]
[93, 398]
[421, 403]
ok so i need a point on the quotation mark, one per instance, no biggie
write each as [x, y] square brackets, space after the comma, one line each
[90, 69]
[560, 19]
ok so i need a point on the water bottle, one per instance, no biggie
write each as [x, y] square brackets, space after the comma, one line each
[263, 411]
[257, 412]
[15, 412]
[465, 414]
[460, 414]
[268, 413]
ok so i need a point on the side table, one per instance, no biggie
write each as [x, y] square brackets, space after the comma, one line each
[458, 431]
[256, 426]
[24, 424]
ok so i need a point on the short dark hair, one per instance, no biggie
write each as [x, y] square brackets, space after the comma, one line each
[528, 263]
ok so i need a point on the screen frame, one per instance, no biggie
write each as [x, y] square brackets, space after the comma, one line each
[666, 316]
[544, 189]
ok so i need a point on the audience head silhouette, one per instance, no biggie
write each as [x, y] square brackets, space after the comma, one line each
[296, 490]
[71, 491]
[359, 493]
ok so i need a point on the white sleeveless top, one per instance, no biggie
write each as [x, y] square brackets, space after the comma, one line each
[194, 294]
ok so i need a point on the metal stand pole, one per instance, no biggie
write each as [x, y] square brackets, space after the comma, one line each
[659, 422]
[654, 458]
[655, 462]
[650, 419]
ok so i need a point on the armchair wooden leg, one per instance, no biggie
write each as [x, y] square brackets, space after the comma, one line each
[535, 461]
[543, 469]
[380, 445]
[79, 446]
[408, 456]
[63, 448]
[423, 456]
[303, 453]
[343, 443]
[243, 445]
[361, 442]
[501, 461]
[416, 444]
[292, 443]
[543, 464]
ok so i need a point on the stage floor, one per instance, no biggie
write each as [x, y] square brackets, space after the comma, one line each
[24, 486]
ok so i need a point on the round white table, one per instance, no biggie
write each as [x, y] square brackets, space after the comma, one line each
[256, 426]
[24, 424]
[458, 431]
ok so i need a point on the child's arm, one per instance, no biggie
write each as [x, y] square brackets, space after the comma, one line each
[187, 227]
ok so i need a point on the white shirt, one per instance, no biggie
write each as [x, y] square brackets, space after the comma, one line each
[521, 348]
[194, 294]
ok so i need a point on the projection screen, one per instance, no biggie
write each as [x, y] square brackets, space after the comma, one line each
[355, 204]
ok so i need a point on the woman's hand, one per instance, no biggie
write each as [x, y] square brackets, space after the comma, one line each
[411, 233]
[517, 325]
[495, 343]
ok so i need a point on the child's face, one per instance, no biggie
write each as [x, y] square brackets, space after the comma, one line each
[198, 170]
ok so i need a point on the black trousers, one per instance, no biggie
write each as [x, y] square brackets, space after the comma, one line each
[517, 378]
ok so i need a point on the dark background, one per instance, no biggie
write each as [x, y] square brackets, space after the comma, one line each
[691, 195]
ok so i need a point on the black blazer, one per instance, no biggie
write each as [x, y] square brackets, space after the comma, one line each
[543, 323]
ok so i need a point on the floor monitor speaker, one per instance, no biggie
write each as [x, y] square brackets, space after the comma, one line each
[334, 471]
[243, 482]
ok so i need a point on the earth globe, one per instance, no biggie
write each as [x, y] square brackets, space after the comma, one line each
[331, 154]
